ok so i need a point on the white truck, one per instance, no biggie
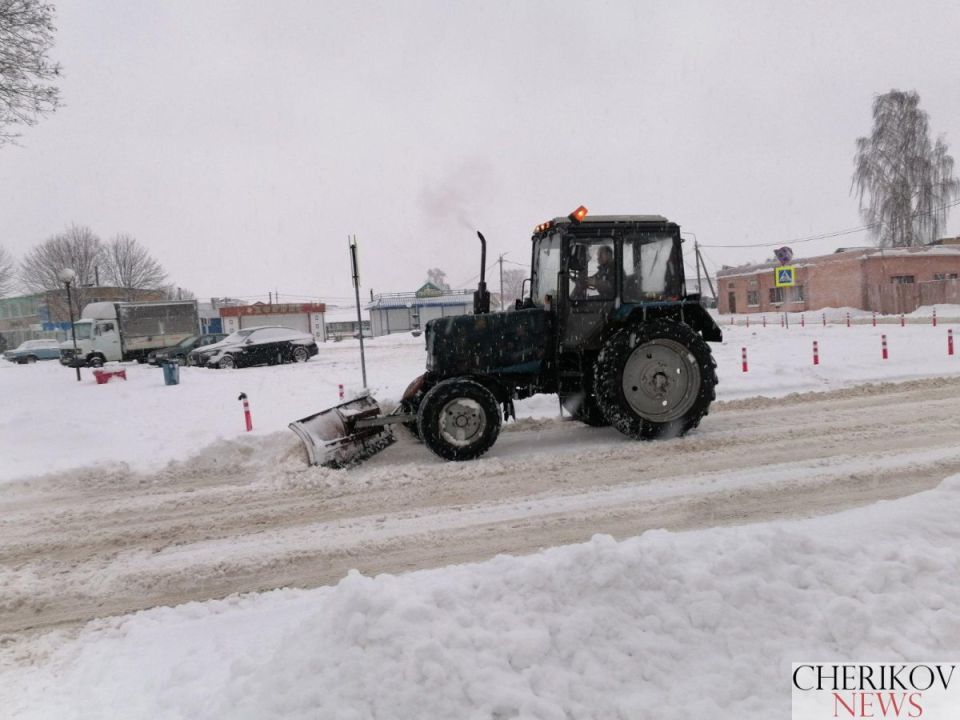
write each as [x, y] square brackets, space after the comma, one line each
[110, 331]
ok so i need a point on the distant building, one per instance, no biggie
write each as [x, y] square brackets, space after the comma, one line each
[403, 312]
[888, 280]
[46, 315]
[305, 317]
[342, 323]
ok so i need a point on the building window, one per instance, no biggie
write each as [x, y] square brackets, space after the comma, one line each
[796, 294]
[945, 276]
[753, 298]
[902, 279]
[731, 284]
[776, 295]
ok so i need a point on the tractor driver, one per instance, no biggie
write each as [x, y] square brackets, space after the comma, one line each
[603, 280]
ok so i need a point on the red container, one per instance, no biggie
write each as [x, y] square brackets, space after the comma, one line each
[104, 376]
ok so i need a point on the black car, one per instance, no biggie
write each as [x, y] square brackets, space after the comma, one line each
[181, 350]
[256, 346]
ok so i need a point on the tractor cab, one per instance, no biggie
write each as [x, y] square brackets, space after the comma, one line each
[595, 270]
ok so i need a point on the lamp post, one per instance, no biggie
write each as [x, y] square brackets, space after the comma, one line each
[67, 276]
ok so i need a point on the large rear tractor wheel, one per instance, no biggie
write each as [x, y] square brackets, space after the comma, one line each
[655, 380]
[459, 419]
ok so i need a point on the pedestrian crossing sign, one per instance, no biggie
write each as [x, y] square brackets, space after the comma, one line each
[786, 276]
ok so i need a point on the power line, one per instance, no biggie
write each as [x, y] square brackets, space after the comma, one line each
[833, 234]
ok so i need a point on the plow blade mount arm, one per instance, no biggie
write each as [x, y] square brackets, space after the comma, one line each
[346, 434]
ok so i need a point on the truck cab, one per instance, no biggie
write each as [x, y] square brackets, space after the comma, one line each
[98, 337]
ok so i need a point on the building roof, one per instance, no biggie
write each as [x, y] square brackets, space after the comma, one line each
[410, 299]
[843, 253]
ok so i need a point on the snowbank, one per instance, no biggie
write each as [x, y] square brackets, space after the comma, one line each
[698, 624]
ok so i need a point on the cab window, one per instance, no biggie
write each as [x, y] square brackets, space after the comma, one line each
[592, 270]
[548, 265]
[650, 267]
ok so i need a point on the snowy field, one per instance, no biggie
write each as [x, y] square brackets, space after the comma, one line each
[728, 565]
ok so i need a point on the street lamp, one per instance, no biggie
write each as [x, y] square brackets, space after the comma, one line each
[67, 276]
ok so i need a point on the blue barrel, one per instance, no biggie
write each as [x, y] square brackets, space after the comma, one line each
[171, 373]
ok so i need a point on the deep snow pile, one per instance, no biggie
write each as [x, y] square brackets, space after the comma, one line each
[697, 624]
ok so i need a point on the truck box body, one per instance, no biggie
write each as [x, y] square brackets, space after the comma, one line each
[110, 331]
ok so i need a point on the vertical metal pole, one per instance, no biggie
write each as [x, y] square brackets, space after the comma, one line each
[73, 332]
[356, 291]
[503, 303]
[696, 252]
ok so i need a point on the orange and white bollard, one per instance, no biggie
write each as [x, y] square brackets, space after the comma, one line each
[816, 353]
[246, 411]
[903, 322]
[764, 320]
[949, 341]
[874, 318]
[934, 317]
[824, 316]
[781, 320]
[848, 319]
[883, 343]
[748, 321]
[743, 358]
[802, 323]
[340, 390]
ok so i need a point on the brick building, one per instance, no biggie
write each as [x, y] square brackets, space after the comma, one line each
[889, 281]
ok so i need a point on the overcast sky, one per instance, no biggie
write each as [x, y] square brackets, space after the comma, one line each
[241, 142]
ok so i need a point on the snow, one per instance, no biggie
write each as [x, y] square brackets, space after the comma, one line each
[665, 625]
[51, 423]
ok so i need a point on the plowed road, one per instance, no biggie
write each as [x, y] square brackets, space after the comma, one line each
[250, 516]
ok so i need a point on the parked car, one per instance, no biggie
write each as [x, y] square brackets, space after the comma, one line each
[256, 346]
[181, 350]
[33, 350]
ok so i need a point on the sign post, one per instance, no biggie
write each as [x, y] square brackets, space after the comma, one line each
[355, 267]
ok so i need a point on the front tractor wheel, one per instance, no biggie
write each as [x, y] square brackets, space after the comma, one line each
[655, 380]
[459, 419]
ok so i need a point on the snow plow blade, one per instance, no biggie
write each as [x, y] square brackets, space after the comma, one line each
[346, 434]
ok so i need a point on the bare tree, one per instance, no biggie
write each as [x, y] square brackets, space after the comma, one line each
[904, 182]
[26, 75]
[7, 272]
[78, 248]
[128, 265]
[439, 278]
[513, 284]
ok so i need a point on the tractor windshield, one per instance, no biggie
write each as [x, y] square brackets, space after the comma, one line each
[547, 266]
[652, 267]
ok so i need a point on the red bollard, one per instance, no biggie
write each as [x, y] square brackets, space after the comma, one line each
[340, 388]
[903, 323]
[743, 357]
[883, 341]
[824, 319]
[934, 317]
[802, 323]
[816, 353]
[246, 411]
[874, 318]
[848, 319]
[949, 341]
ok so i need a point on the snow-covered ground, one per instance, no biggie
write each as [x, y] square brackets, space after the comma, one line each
[698, 624]
[133, 494]
[51, 423]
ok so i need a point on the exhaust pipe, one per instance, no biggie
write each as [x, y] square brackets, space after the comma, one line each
[481, 298]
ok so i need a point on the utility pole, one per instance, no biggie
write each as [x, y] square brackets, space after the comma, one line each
[696, 250]
[355, 267]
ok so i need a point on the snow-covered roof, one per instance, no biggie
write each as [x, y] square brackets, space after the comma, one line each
[402, 300]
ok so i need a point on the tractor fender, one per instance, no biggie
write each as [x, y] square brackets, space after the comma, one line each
[688, 312]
